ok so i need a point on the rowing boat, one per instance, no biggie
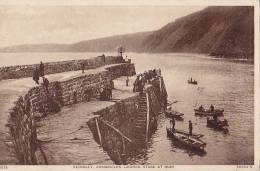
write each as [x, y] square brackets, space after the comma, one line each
[194, 135]
[218, 125]
[216, 112]
[186, 140]
[173, 114]
[192, 82]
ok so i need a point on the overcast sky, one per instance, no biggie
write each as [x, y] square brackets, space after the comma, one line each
[69, 24]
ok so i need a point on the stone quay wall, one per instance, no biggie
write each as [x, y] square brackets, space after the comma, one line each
[122, 116]
[21, 71]
[37, 103]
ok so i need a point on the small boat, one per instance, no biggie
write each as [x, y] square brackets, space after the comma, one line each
[218, 124]
[192, 82]
[187, 141]
[194, 135]
[216, 112]
[173, 114]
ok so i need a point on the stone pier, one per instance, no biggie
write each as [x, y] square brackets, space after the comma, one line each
[59, 126]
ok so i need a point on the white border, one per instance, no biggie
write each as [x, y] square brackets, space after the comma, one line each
[133, 2]
[254, 3]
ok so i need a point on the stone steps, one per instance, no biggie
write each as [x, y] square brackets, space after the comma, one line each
[140, 123]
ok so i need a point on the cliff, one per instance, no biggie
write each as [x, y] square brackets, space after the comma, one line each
[219, 31]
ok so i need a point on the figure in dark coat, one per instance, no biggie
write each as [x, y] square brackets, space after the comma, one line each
[109, 93]
[190, 127]
[112, 86]
[127, 81]
[41, 69]
[46, 84]
[83, 67]
[36, 76]
[211, 108]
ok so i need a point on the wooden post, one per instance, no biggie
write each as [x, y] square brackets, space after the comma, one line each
[99, 133]
[147, 116]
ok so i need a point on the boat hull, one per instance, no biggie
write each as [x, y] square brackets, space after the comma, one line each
[221, 125]
[175, 115]
[192, 82]
[186, 141]
[194, 135]
[209, 113]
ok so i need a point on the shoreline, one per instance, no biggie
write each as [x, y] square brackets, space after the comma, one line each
[195, 55]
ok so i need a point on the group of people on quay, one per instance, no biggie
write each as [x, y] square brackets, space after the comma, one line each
[106, 91]
[145, 77]
[38, 72]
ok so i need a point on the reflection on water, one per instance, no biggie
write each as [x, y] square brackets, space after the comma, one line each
[225, 84]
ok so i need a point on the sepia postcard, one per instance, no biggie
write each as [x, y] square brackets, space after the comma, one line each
[105, 85]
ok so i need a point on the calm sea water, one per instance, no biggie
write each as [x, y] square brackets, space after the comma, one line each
[223, 83]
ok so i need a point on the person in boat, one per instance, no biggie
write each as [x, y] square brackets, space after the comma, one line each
[173, 124]
[190, 127]
[190, 79]
[216, 120]
[207, 119]
[211, 108]
[201, 108]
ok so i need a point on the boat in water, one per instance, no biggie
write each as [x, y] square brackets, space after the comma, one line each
[173, 114]
[194, 135]
[192, 82]
[186, 140]
[218, 124]
[215, 112]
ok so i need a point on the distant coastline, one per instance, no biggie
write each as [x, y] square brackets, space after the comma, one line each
[213, 30]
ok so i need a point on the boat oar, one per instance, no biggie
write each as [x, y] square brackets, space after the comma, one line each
[170, 103]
